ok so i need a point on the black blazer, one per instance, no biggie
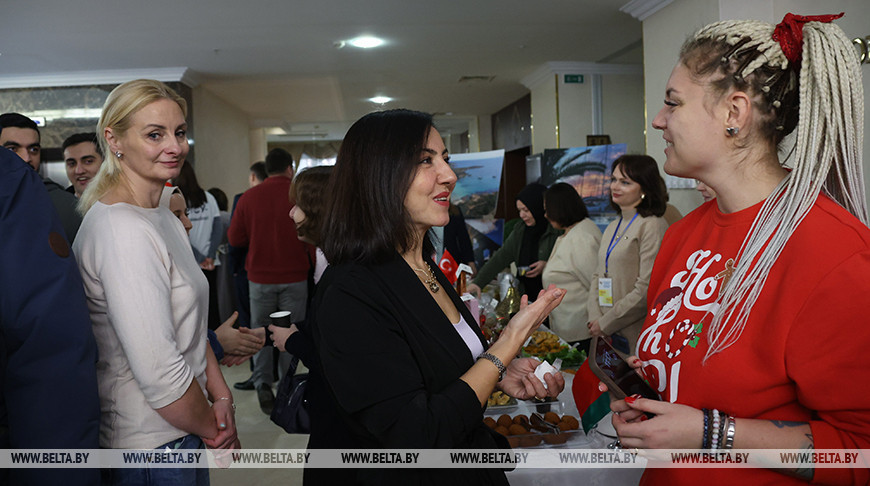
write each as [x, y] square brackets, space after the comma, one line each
[392, 360]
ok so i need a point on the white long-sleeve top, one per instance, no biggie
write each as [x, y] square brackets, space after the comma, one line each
[208, 229]
[148, 301]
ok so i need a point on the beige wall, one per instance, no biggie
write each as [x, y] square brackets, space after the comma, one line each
[544, 115]
[663, 38]
[258, 145]
[575, 112]
[222, 144]
[622, 110]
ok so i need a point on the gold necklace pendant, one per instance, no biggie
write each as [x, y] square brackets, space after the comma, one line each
[429, 278]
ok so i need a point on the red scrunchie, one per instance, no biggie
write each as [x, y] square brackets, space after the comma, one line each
[790, 33]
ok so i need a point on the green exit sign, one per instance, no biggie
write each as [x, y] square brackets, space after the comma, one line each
[573, 79]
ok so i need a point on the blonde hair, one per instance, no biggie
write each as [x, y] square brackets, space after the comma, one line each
[123, 102]
[823, 99]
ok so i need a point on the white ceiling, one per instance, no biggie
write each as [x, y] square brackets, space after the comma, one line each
[276, 60]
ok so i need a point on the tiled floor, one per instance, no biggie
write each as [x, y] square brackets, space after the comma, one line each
[256, 431]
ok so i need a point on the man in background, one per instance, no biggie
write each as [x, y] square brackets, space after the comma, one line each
[277, 262]
[21, 135]
[257, 175]
[83, 158]
[236, 258]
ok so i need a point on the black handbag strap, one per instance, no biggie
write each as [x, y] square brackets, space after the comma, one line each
[294, 363]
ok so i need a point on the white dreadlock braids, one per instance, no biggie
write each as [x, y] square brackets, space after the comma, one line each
[827, 156]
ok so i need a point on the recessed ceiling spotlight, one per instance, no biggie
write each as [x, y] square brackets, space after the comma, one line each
[380, 100]
[366, 42]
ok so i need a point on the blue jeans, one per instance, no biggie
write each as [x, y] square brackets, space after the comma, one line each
[161, 476]
[266, 299]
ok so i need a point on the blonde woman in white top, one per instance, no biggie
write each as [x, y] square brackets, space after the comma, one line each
[160, 384]
[572, 261]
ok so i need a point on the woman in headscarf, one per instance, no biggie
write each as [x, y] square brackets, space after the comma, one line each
[528, 245]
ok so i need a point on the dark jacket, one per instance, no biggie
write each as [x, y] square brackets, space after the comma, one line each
[65, 205]
[328, 429]
[393, 360]
[456, 238]
[48, 378]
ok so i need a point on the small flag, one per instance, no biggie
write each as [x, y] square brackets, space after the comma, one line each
[592, 404]
[448, 265]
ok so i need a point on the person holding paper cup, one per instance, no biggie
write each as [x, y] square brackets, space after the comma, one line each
[617, 297]
[399, 350]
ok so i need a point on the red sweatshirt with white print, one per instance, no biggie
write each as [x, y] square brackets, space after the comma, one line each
[801, 356]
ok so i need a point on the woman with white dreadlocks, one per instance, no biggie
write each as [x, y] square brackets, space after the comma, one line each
[757, 318]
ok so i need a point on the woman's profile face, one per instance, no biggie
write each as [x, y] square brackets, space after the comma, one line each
[525, 215]
[428, 197]
[155, 146]
[624, 192]
[178, 207]
[692, 124]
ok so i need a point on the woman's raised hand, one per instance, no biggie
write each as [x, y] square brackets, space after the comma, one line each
[530, 316]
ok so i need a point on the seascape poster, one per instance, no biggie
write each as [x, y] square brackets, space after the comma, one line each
[477, 180]
[588, 169]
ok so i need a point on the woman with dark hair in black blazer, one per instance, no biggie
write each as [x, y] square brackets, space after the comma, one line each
[407, 364]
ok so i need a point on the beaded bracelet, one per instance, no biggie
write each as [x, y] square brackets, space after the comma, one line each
[705, 443]
[714, 443]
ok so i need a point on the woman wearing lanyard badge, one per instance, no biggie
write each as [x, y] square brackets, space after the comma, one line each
[628, 249]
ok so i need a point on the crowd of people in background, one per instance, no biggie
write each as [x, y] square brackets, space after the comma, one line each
[127, 289]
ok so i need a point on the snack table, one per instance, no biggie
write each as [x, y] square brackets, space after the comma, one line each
[564, 404]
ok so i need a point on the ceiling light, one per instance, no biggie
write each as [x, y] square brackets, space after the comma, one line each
[380, 99]
[365, 42]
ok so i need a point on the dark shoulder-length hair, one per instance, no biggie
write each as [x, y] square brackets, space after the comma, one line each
[564, 205]
[308, 191]
[644, 170]
[365, 219]
[190, 187]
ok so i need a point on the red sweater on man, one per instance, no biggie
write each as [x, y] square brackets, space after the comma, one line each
[262, 223]
[800, 356]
